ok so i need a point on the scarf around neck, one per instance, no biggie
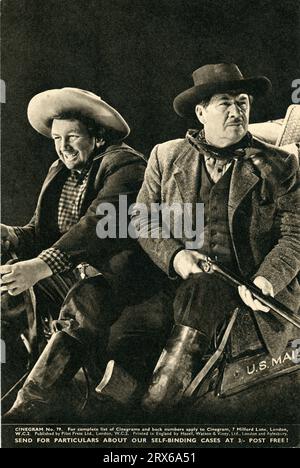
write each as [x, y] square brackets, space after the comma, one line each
[197, 139]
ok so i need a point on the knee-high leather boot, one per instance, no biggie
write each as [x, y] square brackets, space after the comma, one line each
[175, 368]
[57, 365]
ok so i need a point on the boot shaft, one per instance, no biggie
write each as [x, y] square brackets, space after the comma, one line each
[176, 366]
[57, 365]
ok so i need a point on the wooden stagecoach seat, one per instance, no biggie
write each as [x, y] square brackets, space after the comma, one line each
[290, 128]
[282, 132]
[267, 131]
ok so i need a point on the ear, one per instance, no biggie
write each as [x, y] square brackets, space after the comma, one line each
[99, 142]
[200, 113]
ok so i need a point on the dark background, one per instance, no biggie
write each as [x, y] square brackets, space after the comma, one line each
[138, 55]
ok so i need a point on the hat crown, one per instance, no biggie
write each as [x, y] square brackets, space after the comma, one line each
[215, 73]
[215, 79]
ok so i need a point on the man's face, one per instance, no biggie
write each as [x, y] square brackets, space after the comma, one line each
[73, 142]
[225, 119]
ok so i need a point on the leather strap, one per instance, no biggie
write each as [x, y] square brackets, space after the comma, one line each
[213, 359]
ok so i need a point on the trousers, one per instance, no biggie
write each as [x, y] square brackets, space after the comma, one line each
[110, 321]
[204, 302]
[102, 315]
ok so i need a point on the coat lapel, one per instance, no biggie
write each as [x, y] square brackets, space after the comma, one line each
[91, 190]
[187, 174]
[55, 169]
[243, 180]
[92, 182]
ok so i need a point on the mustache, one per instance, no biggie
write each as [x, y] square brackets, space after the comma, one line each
[236, 121]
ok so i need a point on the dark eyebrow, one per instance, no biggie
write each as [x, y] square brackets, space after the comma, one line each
[223, 98]
[226, 98]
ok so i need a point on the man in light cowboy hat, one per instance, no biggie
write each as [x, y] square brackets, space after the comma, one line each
[250, 192]
[94, 166]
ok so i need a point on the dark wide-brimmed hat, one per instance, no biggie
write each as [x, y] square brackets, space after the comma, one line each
[43, 108]
[214, 79]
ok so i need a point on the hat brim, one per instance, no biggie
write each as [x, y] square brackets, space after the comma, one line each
[43, 108]
[184, 104]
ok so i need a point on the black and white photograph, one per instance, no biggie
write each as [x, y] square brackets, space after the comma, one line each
[150, 226]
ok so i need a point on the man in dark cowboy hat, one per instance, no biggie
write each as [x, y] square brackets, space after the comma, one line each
[94, 167]
[250, 192]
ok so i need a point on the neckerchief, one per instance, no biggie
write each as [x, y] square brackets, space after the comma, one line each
[197, 139]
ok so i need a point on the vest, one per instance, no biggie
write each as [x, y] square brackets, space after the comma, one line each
[217, 238]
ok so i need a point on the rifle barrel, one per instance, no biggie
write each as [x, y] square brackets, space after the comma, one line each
[268, 301]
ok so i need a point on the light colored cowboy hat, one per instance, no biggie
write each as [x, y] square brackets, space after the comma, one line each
[46, 105]
[218, 78]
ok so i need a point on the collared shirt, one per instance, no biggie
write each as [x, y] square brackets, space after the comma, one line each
[215, 167]
[70, 201]
[69, 207]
